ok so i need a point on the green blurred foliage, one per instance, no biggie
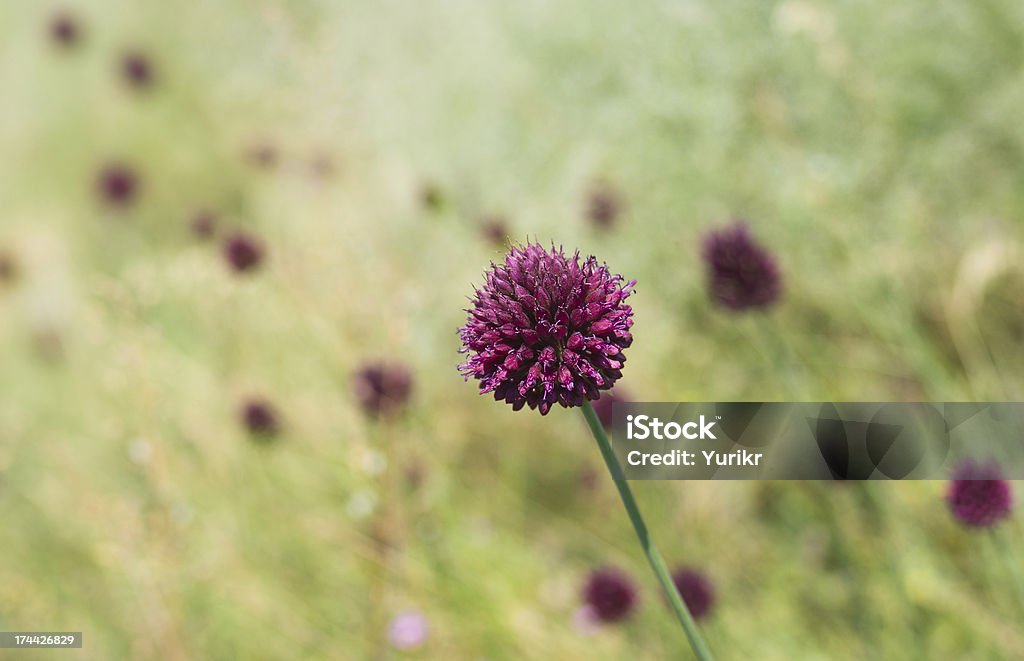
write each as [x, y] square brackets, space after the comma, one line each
[875, 147]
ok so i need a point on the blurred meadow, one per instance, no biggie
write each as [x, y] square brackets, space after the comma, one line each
[876, 149]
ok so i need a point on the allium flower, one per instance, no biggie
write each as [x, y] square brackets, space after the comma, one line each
[978, 496]
[204, 224]
[64, 30]
[603, 406]
[383, 389]
[604, 205]
[118, 185]
[243, 252]
[408, 630]
[696, 590]
[610, 594]
[741, 274]
[546, 329]
[260, 418]
[137, 70]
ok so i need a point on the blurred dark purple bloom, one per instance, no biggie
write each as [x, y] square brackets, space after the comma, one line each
[408, 630]
[696, 590]
[495, 229]
[610, 594]
[603, 406]
[64, 29]
[604, 205]
[545, 329]
[741, 274]
[383, 389]
[137, 70]
[118, 185]
[204, 224]
[243, 252]
[260, 418]
[978, 496]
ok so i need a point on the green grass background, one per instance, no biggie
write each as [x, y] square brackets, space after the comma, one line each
[875, 147]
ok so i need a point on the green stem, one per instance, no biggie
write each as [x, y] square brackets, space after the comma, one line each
[1008, 557]
[653, 556]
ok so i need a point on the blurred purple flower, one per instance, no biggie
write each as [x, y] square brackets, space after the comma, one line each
[585, 620]
[603, 406]
[696, 590]
[204, 224]
[604, 205]
[118, 185]
[610, 594]
[260, 418]
[741, 274]
[978, 495]
[408, 630]
[243, 252]
[495, 229]
[383, 389]
[545, 329]
[137, 69]
[64, 30]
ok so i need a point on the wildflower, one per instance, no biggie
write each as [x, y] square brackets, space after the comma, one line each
[260, 418]
[603, 407]
[243, 252]
[604, 205]
[978, 496]
[118, 185]
[64, 30]
[696, 590]
[546, 329]
[610, 594]
[137, 70]
[204, 224]
[495, 229]
[408, 630]
[741, 274]
[383, 389]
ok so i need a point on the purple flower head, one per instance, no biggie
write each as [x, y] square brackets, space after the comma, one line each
[604, 205]
[260, 418]
[696, 590]
[610, 594]
[383, 389]
[118, 185]
[603, 406]
[978, 496]
[204, 224]
[243, 252]
[741, 274]
[547, 328]
[137, 70]
[64, 30]
[408, 630]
